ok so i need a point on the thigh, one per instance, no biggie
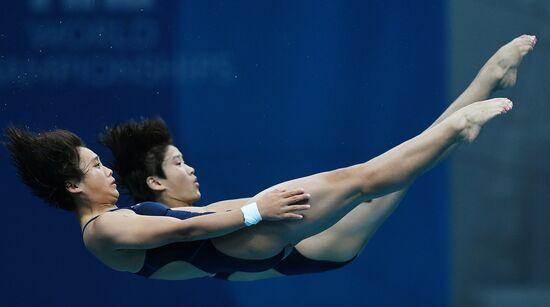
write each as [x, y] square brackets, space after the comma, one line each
[348, 236]
[333, 195]
[345, 239]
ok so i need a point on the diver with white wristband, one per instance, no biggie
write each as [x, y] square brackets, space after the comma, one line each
[251, 214]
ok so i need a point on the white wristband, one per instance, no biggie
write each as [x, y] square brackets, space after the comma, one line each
[251, 214]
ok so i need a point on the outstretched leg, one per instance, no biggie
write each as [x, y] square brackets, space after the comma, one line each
[347, 237]
[344, 240]
[335, 193]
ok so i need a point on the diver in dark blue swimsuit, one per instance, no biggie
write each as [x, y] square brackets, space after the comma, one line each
[132, 141]
[152, 178]
[205, 256]
[200, 253]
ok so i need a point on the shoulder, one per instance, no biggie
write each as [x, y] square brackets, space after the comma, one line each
[150, 208]
[108, 225]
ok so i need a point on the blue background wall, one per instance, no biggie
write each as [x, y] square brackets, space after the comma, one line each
[256, 93]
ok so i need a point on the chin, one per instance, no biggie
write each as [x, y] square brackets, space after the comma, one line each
[115, 196]
[198, 195]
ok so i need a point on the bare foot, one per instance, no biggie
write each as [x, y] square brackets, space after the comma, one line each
[501, 69]
[472, 117]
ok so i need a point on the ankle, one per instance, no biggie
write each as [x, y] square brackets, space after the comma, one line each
[458, 123]
[488, 78]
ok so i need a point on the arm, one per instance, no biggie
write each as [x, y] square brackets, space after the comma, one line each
[220, 206]
[228, 205]
[132, 231]
[233, 204]
[127, 230]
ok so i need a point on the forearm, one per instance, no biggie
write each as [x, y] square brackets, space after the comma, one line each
[227, 205]
[214, 225]
[220, 206]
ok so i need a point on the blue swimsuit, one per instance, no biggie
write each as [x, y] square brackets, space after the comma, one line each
[200, 253]
[204, 255]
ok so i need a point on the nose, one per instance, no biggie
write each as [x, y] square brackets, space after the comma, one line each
[109, 171]
[190, 170]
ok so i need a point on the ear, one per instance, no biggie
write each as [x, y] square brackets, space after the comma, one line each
[154, 184]
[72, 187]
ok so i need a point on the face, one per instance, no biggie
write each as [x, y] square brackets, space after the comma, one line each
[98, 184]
[180, 184]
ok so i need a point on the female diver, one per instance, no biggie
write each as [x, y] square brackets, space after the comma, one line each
[165, 177]
[146, 239]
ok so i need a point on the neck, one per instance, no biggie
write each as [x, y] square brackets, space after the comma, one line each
[174, 202]
[84, 212]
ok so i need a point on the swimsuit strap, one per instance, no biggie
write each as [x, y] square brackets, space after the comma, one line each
[95, 217]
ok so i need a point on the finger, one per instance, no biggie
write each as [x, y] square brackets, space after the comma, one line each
[297, 207]
[293, 192]
[296, 198]
[293, 216]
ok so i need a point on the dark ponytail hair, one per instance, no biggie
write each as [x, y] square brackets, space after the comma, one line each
[138, 150]
[45, 162]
